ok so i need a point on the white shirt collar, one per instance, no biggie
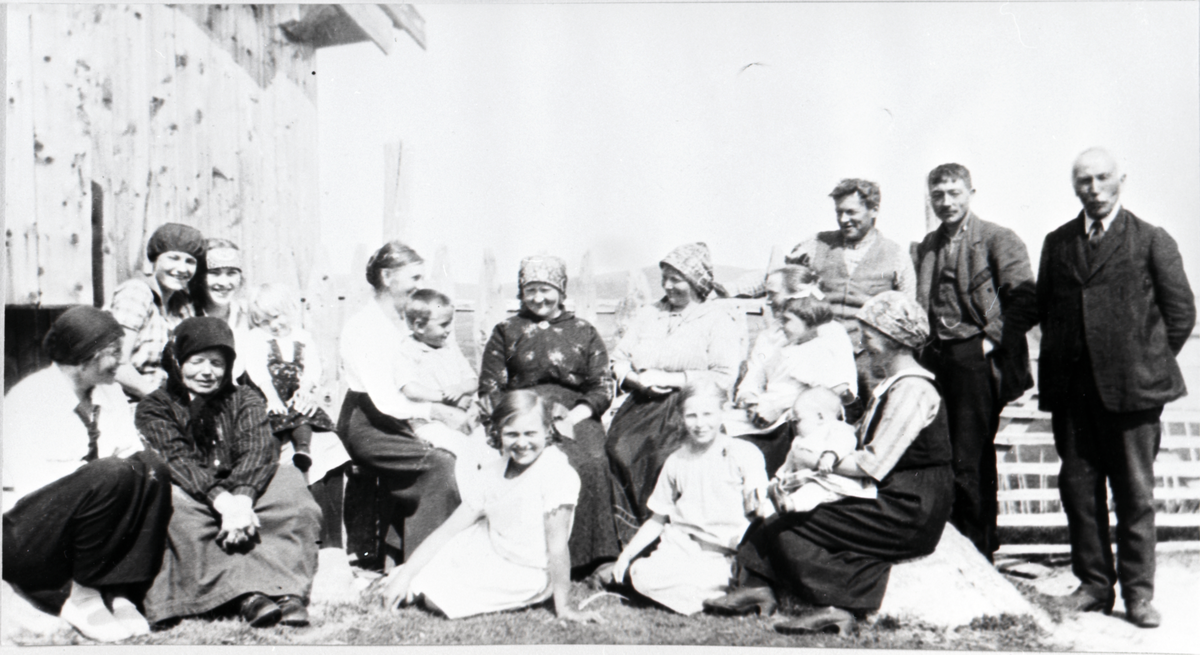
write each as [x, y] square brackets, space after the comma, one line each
[1105, 222]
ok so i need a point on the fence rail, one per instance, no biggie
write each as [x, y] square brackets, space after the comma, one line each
[1028, 470]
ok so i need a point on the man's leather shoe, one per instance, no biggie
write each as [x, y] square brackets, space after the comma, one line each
[743, 600]
[292, 611]
[829, 619]
[1082, 600]
[260, 611]
[1142, 614]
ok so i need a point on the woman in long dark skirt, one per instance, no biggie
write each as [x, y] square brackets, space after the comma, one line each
[549, 350]
[838, 557]
[682, 338]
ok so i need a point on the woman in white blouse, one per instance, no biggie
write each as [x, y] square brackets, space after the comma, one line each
[681, 338]
[374, 421]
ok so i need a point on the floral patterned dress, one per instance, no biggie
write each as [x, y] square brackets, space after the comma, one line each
[565, 361]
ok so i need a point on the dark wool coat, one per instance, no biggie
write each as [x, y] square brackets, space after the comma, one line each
[1127, 304]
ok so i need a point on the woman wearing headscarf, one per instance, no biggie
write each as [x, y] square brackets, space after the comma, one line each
[562, 357]
[838, 556]
[88, 508]
[150, 306]
[682, 338]
[244, 530]
[417, 478]
[221, 291]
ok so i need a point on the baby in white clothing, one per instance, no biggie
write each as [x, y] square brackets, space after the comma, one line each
[806, 478]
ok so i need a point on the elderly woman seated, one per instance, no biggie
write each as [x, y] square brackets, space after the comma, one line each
[838, 556]
[88, 508]
[244, 529]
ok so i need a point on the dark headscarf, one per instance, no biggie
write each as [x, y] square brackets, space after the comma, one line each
[195, 335]
[80, 333]
[178, 238]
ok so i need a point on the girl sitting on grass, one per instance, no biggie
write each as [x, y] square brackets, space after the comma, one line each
[700, 507]
[505, 546]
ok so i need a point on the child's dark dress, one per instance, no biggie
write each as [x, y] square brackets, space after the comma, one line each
[286, 378]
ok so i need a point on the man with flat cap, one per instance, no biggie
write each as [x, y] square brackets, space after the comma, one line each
[88, 508]
[1116, 308]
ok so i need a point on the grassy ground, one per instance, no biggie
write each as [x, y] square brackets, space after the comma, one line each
[627, 623]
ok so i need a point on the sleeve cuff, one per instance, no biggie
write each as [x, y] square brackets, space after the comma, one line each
[245, 490]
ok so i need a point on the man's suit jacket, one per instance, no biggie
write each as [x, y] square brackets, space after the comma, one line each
[995, 290]
[1127, 304]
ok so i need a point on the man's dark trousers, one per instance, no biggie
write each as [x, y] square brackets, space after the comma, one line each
[973, 409]
[1098, 446]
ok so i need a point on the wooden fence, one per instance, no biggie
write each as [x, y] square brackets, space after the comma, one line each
[1028, 466]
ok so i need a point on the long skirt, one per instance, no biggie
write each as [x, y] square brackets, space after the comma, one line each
[468, 577]
[841, 553]
[642, 435]
[417, 478]
[102, 526]
[682, 573]
[198, 575]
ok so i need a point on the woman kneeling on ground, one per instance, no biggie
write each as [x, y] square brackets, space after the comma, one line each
[244, 529]
[839, 555]
[505, 546]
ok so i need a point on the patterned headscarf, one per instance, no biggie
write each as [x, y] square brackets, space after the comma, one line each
[897, 316]
[175, 237]
[544, 269]
[694, 263]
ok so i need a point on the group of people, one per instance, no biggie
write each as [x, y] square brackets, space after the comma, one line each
[859, 422]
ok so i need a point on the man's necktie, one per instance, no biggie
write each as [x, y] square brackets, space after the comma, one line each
[1096, 233]
[89, 413]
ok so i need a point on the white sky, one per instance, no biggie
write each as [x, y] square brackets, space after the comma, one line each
[629, 129]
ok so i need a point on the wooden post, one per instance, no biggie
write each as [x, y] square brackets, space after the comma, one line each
[585, 290]
[395, 210]
[437, 274]
[490, 309]
[637, 293]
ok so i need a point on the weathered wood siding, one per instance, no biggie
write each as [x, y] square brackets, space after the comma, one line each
[198, 114]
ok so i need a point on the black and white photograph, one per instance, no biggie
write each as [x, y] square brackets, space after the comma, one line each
[858, 325]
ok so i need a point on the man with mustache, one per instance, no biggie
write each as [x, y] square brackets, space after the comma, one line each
[1116, 308]
[974, 279]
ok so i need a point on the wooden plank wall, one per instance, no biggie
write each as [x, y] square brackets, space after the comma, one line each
[198, 114]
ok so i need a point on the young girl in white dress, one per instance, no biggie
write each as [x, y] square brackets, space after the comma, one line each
[505, 547]
[701, 506]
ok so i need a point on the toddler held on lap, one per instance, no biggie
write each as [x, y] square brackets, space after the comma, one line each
[818, 352]
[437, 374]
[806, 478]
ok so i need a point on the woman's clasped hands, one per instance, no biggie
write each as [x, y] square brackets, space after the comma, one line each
[239, 523]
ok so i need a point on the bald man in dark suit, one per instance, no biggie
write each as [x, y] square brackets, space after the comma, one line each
[1116, 308]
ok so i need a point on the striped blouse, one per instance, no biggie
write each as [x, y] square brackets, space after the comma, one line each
[243, 459]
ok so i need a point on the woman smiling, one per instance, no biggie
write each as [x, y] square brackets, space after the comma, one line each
[549, 350]
[679, 339]
[243, 529]
[149, 307]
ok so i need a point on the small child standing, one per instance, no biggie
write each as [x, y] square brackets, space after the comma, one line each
[818, 353]
[506, 545]
[701, 507]
[806, 478]
[434, 372]
[283, 363]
